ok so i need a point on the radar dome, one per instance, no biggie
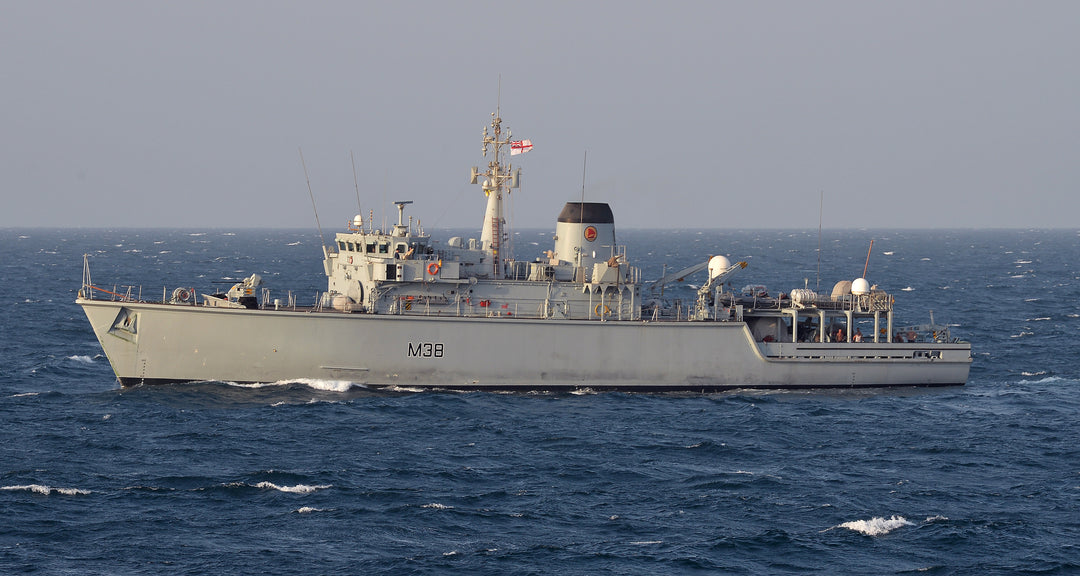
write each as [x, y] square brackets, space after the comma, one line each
[717, 265]
[860, 286]
[358, 221]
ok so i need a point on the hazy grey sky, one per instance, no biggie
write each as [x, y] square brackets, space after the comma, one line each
[694, 114]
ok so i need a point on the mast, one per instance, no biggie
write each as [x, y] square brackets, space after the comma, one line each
[496, 179]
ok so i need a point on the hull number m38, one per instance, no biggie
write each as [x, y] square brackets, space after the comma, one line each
[425, 350]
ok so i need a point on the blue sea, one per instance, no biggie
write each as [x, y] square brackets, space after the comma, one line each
[322, 477]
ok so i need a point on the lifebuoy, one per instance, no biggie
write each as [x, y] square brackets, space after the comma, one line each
[433, 268]
[602, 310]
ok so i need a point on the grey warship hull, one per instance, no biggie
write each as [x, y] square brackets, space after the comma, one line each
[405, 309]
[161, 342]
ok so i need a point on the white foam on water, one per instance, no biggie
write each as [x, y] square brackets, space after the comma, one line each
[327, 385]
[646, 542]
[47, 490]
[907, 289]
[437, 506]
[877, 526]
[403, 389]
[24, 394]
[83, 359]
[309, 510]
[298, 489]
[1046, 380]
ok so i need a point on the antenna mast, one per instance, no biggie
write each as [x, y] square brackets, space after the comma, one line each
[496, 179]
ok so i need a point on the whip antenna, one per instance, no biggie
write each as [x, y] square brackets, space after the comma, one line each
[312, 195]
[356, 183]
[584, 162]
[821, 209]
[868, 250]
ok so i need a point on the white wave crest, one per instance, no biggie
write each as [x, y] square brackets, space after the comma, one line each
[83, 359]
[877, 526]
[47, 490]
[298, 489]
[309, 510]
[437, 506]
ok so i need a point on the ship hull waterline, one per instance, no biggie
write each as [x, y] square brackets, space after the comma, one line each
[162, 343]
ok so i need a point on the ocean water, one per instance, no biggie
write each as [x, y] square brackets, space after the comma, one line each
[321, 477]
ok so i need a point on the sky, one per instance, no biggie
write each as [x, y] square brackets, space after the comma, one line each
[723, 114]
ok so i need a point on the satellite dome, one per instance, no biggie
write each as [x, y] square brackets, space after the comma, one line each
[860, 286]
[717, 265]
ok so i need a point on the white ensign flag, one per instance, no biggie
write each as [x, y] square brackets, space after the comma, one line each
[520, 147]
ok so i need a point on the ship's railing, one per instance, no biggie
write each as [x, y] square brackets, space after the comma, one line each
[88, 290]
[876, 301]
[924, 333]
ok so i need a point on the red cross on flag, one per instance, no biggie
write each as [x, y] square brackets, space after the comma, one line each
[520, 147]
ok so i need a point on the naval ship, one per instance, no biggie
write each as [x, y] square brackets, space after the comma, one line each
[404, 310]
